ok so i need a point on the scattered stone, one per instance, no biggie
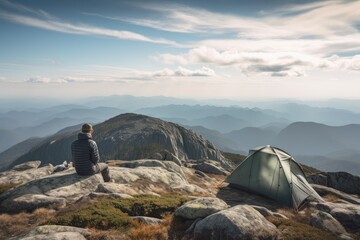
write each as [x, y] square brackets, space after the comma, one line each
[27, 166]
[239, 222]
[148, 220]
[200, 208]
[325, 221]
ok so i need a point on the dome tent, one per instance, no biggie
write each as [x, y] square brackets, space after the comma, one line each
[271, 172]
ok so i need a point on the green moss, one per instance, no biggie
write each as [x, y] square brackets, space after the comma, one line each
[100, 215]
[149, 205]
[106, 214]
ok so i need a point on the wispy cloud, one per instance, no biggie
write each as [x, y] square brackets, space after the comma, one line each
[114, 74]
[46, 21]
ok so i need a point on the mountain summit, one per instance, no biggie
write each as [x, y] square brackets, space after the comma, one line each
[131, 136]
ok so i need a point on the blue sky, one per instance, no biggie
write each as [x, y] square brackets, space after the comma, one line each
[191, 49]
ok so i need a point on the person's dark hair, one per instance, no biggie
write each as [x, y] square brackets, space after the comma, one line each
[86, 128]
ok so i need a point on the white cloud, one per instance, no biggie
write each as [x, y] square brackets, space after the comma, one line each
[184, 72]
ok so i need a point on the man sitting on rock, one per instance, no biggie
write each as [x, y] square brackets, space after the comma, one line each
[86, 156]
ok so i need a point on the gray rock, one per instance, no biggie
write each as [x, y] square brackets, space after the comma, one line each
[109, 187]
[148, 220]
[325, 221]
[30, 202]
[239, 222]
[207, 167]
[342, 181]
[166, 156]
[55, 232]
[323, 190]
[201, 174]
[266, 212]
[55, 236]
[95, 195]
[71, 186]
[18, 177]
[200, 208]
[27, 166]
[347, 214]
[168, 165]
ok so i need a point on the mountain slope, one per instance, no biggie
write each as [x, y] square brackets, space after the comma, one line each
[130, 136]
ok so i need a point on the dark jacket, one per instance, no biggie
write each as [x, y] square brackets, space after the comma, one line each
[85, 154]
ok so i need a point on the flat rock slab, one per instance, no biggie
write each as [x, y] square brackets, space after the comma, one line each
[200, 208]
[55, 232]
[18, 177]
[27, 166]
[239, 222]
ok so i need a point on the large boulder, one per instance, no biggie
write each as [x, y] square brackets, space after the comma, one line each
[239, 222]
[347, 214]
[325, 221]
[200, 208]
[109, 187]
[342, 181]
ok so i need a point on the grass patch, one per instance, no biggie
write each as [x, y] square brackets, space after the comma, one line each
[104, 214]
[292, 230]
[4, 187]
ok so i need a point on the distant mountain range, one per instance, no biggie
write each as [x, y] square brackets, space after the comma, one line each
[303, 130]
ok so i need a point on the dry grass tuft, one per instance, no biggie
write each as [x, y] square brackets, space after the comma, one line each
[331, 198]
[107, 235]
[14, 224]
[293, 230]
[4, 187]
[141, 231]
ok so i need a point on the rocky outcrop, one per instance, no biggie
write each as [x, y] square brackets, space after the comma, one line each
[323, 191]
[325, 221]
[130, 137]
[18, 177]
[68, 185]
[342, 181]
[200, 208]
[239, 222]
[55, 232]
[168, 165]
[347, 214]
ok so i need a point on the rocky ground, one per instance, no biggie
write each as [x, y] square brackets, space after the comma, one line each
[165, 199]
